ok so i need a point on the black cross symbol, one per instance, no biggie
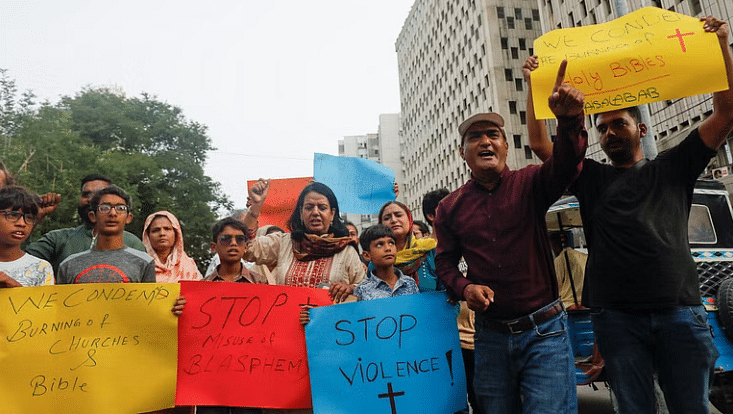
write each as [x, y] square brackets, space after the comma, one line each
[391, 394]
[308, 303]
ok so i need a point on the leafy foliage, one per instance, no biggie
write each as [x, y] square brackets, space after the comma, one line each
[146, 146]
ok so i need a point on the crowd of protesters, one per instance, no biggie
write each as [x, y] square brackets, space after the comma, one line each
[488, 248]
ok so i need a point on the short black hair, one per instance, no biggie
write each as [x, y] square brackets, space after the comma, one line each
[423, 227]
[95, 177]
[347, 223]
[430, 202]
[220, 225]
[113, 190]
[274, 229]
[18, 198]
[634, 113]
[296, 225]
[374, 232]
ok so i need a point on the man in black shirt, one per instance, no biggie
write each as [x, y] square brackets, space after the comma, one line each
[641, 280]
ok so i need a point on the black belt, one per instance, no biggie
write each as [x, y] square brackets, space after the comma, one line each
[525, 323]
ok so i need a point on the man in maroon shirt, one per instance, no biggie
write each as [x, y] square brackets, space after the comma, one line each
[496, 221]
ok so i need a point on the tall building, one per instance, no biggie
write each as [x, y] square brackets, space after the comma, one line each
[456, 59]
[383, 147]
[462, 57]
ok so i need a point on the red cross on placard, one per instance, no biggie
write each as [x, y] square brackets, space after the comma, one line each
[682, 41]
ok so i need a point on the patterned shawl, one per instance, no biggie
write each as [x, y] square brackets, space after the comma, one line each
[313, 247]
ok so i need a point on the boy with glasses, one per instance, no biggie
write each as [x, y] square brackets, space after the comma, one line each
[18, 216]
[108, 260]
[56, 245]
[229, 242]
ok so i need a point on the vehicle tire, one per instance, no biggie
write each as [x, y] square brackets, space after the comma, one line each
[725, 307]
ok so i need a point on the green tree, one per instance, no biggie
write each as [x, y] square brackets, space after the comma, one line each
[146, 146]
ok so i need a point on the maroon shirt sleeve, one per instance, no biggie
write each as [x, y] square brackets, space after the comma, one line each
[448, 255]
[565, 163]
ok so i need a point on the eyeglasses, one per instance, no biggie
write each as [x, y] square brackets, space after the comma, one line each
[14, 216]
[225, 239]
[106, 208]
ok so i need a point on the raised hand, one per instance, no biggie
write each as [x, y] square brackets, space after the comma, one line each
[530, 65]
[565, 100]
[258, 192]
[49, 203]
[714, 25]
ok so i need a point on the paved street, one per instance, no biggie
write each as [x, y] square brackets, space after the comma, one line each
[599, 402]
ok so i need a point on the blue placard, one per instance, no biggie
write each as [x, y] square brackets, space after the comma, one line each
[361, 186]
[399, 355]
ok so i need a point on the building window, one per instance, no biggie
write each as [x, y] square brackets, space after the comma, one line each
[518, 14]
[519, 83]
[523, 117]
[522, 44]
[500, 12]
[515, 53]
[508, 75]
[528, 23]
[527, 152]
[607, 5]
[518, 141]
[535, 15]
[504, 43]
[695, 7]
[510, 22]
[513, 107]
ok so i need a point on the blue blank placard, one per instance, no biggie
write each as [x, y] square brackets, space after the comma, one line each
[361, 186]
[399, 355]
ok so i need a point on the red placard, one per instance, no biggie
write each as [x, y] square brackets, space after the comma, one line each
[281, 200]
[241, 345]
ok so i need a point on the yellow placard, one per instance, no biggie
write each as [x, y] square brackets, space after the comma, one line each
[649, 55]
[93, 348]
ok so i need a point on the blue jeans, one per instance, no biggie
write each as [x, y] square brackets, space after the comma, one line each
[528, 372]
[677, 342]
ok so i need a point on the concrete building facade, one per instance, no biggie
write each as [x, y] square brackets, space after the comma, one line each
[671, 120]
[458, 58]
[455, 59]
[384, 147]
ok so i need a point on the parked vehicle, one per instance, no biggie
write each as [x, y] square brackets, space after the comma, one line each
[710, 229]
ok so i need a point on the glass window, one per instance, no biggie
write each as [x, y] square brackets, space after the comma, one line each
[700, 226]
[518, 141]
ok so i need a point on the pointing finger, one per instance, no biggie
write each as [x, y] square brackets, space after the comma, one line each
[560, 75]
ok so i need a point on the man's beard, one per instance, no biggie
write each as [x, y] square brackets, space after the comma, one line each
[84, 214]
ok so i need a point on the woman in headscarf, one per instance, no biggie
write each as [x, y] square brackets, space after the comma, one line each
[316, 252]
[163, 240]
[415, 257]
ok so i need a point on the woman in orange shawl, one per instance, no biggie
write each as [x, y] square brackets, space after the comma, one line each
[163, 239]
